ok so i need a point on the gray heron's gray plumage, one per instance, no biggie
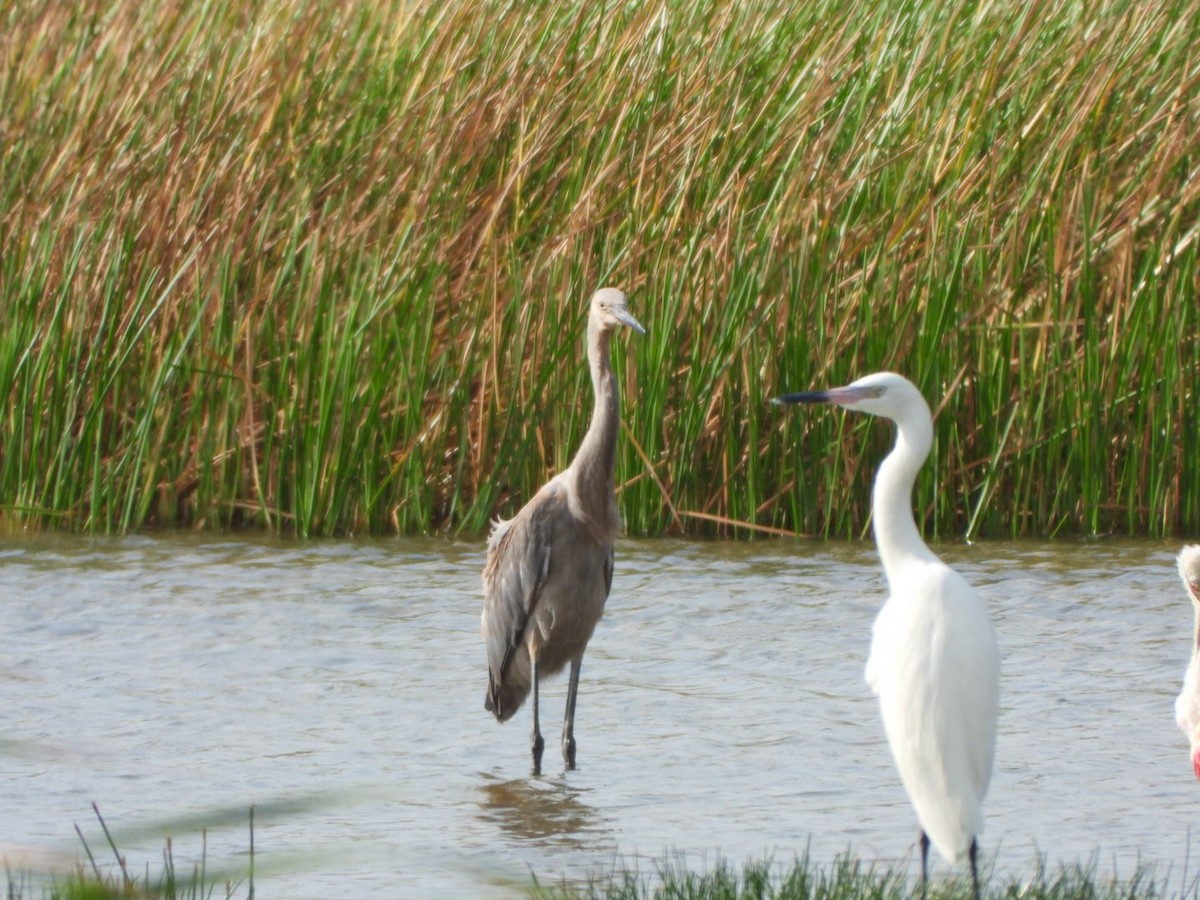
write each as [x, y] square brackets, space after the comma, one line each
[549, 568]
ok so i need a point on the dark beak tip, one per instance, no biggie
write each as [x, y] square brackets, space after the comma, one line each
[792, 399]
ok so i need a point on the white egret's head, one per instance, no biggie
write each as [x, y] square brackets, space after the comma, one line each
[881, 394]
[1189, 570]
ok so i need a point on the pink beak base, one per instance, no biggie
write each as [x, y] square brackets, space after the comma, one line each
[1196, 762]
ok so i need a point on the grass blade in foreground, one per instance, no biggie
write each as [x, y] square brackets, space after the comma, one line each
[850, 879]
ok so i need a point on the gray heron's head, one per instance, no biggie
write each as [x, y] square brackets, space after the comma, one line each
[609, 311]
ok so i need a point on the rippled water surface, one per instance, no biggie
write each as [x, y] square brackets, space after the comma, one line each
[338, 688]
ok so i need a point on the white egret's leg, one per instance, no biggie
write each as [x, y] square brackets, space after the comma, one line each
[924, 863]
[975, 867]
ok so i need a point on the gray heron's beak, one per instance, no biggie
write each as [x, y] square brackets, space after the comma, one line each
[625, 318]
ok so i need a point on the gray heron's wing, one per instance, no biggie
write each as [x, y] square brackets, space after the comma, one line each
[608, 569]
[518, 565]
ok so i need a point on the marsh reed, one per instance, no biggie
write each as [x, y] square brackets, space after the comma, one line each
[849, 878]
[321, 266]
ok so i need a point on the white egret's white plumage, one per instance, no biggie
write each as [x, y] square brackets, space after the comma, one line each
[934, 662]
[549, 568]
[1187, 705]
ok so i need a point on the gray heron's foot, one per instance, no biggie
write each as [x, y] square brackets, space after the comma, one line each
[568, 749]
[538, 746]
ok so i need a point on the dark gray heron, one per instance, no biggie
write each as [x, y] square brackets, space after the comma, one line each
[934, 662]
[549, 568]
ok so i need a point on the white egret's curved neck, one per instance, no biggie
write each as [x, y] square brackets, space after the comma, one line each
[896, 533]
[594, 463]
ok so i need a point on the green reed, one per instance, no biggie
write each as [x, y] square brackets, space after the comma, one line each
[850, 879]
[322, 268]
[117, 879]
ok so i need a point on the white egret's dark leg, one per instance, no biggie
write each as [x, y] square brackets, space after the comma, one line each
[537, 744]
[975, 867]
[924, 863]
[568, 735]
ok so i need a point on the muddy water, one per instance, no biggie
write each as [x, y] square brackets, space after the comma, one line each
[338, 687]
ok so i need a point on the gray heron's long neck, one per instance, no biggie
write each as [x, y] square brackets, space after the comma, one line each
[596, 459]
[896, 533]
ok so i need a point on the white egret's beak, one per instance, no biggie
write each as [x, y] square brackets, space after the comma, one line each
[842, 396]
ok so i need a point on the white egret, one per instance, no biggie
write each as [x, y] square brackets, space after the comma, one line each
[550, 567]
[1187, 705]
[934, 662]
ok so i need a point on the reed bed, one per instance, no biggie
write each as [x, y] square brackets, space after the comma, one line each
[321, 266]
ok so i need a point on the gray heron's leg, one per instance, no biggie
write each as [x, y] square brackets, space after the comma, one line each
[975, 867]
[924, 863]
[537, 744]
[568, 735]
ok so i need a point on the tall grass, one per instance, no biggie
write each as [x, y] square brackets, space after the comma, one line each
[99, 881]
[850, 879]
[322, 266]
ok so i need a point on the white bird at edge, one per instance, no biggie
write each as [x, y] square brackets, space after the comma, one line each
[934, 661]
[1187, 704]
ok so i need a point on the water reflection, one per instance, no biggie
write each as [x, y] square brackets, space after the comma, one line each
[547, 810]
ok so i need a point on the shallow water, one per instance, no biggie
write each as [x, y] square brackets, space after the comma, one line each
[338, 687]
